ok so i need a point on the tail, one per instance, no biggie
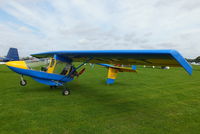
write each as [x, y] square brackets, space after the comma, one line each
[13, 54]
[113, 70]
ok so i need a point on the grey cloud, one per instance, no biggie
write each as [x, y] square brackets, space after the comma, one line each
[166, 3]
[128, 24]
[191, 5]
[166, 45]
[146, 47]
[148, 34]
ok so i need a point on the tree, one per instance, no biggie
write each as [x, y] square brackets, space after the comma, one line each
[197, 60]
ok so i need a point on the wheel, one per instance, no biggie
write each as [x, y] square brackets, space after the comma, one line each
[23, 82]
[66, 92]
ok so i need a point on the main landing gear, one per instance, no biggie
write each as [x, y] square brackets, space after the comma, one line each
[65, 92]
[22, 81]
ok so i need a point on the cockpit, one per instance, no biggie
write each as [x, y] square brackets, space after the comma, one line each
[51, 66]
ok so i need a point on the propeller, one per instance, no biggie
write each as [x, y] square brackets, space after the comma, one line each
[81, 72]
[118, 65]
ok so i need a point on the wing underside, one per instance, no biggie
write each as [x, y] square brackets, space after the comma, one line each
[127, 57]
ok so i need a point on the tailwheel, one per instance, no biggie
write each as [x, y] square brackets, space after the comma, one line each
[66, 92]
[23, 82]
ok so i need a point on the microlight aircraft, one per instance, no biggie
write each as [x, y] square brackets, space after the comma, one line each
[11, 56]
[61, 69]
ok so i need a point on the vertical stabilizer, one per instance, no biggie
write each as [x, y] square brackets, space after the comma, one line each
[13, 54]
[112, 75]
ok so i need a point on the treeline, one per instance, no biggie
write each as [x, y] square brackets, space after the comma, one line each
[196, 60]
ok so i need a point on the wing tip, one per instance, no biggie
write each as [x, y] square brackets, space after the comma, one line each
[181, 60]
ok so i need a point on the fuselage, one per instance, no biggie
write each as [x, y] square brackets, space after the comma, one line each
[44, 77]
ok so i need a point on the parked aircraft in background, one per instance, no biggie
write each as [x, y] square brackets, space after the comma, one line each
[11, 56]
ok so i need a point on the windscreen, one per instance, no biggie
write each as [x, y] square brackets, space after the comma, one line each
[49, 66]
[37, 64]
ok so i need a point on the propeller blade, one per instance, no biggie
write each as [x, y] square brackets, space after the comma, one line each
[81, 72]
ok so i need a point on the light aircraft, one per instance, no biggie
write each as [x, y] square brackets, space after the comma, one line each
[61, 69]
[11, 56]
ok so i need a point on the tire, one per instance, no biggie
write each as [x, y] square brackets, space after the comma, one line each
[23, 82]
[66, 92]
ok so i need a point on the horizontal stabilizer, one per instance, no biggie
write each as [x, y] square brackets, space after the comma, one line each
[120, 68]
[113, 70]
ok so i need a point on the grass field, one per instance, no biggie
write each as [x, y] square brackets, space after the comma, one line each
[152, 101]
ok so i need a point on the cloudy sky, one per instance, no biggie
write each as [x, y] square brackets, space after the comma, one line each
[45, 25]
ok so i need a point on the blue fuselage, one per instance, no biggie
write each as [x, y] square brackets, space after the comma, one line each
[43, 77]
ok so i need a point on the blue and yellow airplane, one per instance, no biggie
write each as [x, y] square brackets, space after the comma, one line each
[61, 69]
[11, 56]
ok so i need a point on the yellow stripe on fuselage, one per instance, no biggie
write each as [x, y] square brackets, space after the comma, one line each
[17, 64]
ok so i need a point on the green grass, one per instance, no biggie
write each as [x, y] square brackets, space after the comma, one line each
[152, 101]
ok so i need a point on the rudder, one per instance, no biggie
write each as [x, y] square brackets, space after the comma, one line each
[112, 75]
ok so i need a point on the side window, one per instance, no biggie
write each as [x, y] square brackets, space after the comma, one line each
[59, 67]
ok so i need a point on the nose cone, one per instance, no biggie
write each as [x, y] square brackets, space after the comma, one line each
[17, 64]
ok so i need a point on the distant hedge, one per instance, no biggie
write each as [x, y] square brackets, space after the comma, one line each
[196, 60]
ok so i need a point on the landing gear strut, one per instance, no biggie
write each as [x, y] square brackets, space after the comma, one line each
[22, 81]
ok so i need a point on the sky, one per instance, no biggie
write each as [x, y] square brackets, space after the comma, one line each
[35, 26]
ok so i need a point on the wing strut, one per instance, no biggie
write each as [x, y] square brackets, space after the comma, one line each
[83, 63]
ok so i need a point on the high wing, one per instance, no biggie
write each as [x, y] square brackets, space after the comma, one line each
[127, 57]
